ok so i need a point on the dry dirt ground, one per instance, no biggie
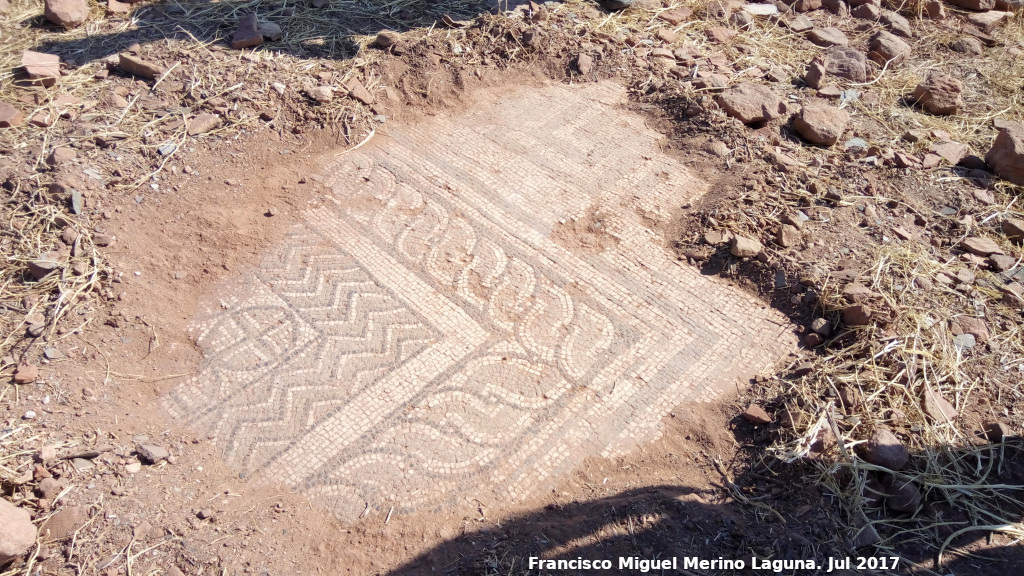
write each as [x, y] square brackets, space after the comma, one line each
[134, 199]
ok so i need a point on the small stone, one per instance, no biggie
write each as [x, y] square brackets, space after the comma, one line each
[49, 488]
[857, 315]
[117, 7]
[899, 25]
[804, 5]
[1013, 293]
[667, 35]
[716, 237]
[138, 67]
[828, 36]
[1002, 262]
[952, 152]
[143, 530]
[663, 53]
[904, 160]
[884, 449]
[743, 20]
[41, 120]
[82, 464]
[837, 7]
[102, 239]
[17, 533]
[939, 94]
[26, 374]
[980, 246]
[1006, 157]
[821, 326]
[760, 9]
[387, 38]
[61, 155]
[321, 94]
[796, 220]
[976, 5]
[66, 13]
[812, 340]
[133, 467]
[270, 31]
[756, 415]
[967, 45]
[971, 325]
[866, 12]
[964, 342]
[707, 81]
[115, 100]
[842, 61]
[205, 514]
[203, 123]
[40, 67]
[902, 495]
[9, 116]
[788, 236]
[742, 247]
[751, 103]
[40, 472]
[65, 523]
[45, 264]
[29, 415]
[676, 16]
[988, 21]
[151, 453]
[357, 91]
[584, 63]
[934, 9]
[821, 124]
[721, 8]
[803, 369]
[721, 35]
[887, 48]
[938, 408]
[1014, 229]
[46, 453]
[902, 233]
[997, 432]
[864, 533]
[800, 24]
[247, 34]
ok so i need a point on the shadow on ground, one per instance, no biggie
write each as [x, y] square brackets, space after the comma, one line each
[662, 522]
[329, 32]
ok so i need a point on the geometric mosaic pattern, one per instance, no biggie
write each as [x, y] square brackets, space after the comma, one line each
[481, 305]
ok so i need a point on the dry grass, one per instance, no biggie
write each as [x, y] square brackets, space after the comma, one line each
[64, 296]
[888, 369]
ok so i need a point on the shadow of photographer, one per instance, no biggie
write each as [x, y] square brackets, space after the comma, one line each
[780, 528]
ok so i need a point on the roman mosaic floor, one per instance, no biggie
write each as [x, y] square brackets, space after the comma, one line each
[480, 306]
